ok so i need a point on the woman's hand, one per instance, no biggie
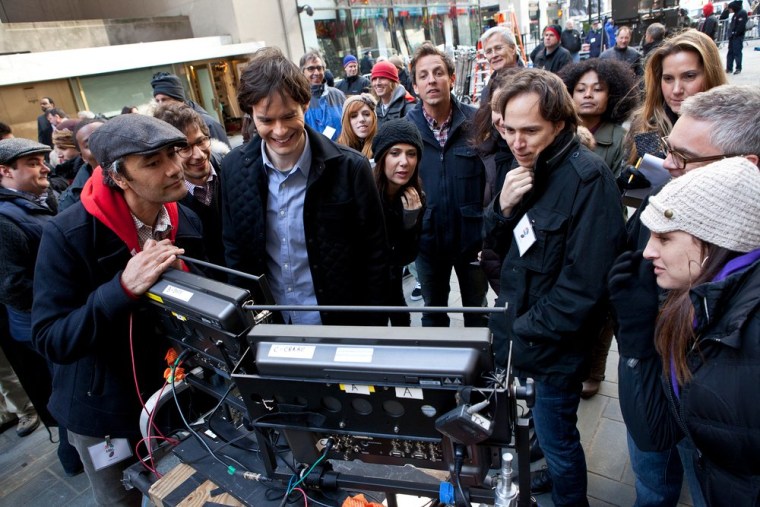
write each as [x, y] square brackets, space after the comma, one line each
[411, 199]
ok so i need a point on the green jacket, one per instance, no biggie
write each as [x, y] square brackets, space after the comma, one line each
[609, 145]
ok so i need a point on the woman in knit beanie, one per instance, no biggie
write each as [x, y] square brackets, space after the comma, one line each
[705, 250]
[359, 123]
[398, 149]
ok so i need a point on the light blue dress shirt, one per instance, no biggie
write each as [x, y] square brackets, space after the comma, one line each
[287, 259]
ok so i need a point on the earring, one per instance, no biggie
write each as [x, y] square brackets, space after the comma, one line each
[703, 261]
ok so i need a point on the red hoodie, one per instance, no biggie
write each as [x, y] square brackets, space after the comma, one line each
[108, 205]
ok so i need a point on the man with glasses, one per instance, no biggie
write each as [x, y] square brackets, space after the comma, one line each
[500, 49]
[326, 105]
[202, 166]
[709, 128]
[88, 316]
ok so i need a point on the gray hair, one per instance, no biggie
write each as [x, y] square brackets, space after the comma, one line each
[116, 167]
[499, 30]
[656, 31]
[312, 54]
[733, 111]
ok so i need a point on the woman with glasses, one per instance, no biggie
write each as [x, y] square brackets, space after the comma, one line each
[704, 250]
[359, 123]
[682, 66]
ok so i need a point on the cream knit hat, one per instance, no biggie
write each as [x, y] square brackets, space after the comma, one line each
[718, 203]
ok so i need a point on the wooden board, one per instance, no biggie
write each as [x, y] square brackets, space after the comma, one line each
[183, 486]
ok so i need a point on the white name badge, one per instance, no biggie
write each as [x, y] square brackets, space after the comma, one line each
[329, 132]
[524, 234]
[109, 452]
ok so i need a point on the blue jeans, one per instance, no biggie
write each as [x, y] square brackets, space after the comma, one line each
[434, 275]
[688, 456]
[659, 476]
[555, 416]
[735, 46]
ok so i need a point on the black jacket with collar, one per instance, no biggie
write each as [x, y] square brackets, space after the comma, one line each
[343, 224]
[453, 178]
[21, 223]
[720, 405]
[211, 219]
[81, 322]
[556, 290]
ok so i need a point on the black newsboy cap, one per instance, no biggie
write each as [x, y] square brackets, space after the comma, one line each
[132, 134]
[17, 147]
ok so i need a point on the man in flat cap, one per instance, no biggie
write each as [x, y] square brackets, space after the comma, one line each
[88, 315]
[168, 89]
[25, 206]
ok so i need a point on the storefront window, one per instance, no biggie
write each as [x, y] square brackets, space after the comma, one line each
[388, 27]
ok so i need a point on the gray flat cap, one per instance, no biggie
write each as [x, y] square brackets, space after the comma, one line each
[132, 134]
[16, 147]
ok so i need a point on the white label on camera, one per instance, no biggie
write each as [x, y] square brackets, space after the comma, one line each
[177, 293]
[291, 351]
[354, 354]
[412, 393]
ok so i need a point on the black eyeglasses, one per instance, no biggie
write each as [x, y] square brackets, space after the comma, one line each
[681, 160]
[185, 151]
[314, 68]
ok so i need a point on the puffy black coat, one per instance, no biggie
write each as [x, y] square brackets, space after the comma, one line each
[553, 61]
[353, 85]
[720, 405]
[80, 321]
[453, 178]
[343, 223]
[555, 290]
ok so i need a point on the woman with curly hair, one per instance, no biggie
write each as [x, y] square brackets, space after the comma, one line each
[603, 91]
[359, 123]
[682, 66]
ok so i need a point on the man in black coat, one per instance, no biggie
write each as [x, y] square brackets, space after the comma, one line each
[552, 56]
[571, 40]
[558, 225]
[353, 83]
[736, 29]
[453, 177]
[623, 53]
[88, 315]
[299, 208]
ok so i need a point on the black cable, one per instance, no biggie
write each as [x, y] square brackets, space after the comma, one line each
[187, 425]
[458, 462]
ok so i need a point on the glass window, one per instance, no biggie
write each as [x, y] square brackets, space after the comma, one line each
[108, 93]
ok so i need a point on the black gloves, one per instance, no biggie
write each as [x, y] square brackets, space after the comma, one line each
[631, 179]
[634, 298]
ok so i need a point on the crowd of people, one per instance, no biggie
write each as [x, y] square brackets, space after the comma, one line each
[342, 189]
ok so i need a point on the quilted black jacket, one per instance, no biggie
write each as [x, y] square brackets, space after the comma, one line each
[343, 223]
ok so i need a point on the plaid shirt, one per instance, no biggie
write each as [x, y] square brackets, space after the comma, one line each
[203, 193]
[158, 232]
[441, 132]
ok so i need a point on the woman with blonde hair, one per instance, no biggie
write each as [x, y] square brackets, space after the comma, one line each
[359, 123]
[682, 66]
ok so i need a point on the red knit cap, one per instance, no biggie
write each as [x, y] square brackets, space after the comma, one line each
[554, 29]
[707, 9]
[385, 69]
